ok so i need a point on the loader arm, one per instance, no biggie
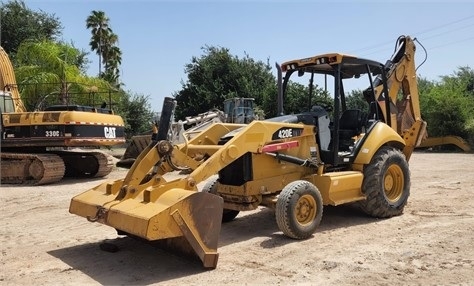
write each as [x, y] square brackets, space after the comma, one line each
[146, 174]
[251, 138]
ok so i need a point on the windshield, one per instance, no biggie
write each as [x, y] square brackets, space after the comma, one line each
[6, 103]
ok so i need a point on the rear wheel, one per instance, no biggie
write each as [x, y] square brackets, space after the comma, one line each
[386, 184]
[227, 215]
[299, 209]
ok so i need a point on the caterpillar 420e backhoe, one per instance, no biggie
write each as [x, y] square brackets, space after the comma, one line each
[32, 143]
[295, 164]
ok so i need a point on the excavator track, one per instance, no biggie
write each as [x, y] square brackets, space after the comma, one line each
[31, 169]
[86, 164]
[106, 164]
[47, 168]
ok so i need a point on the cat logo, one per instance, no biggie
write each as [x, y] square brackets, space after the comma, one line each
[109, 132]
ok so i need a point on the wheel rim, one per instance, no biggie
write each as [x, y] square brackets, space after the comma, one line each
[305, 209]
[393, 183]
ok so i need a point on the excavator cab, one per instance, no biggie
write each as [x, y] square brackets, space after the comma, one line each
[6, 102]
[239, 110]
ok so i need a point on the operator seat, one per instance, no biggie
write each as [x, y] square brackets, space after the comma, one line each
[351, 123]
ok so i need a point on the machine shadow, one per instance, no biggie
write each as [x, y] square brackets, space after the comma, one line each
[139, 262]
[244, 227]
[78, 180]
[67, 181]
[135, 263]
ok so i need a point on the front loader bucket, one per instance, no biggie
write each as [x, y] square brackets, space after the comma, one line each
[156, 214]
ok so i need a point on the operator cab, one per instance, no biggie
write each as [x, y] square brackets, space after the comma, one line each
[6, 102]
[239, 110]
[6, 106]
[342, 118]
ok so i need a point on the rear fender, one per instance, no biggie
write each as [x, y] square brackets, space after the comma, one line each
[381, 134]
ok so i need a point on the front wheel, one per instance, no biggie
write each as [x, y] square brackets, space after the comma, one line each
[386, 184]
[299, 209]
[227, 215]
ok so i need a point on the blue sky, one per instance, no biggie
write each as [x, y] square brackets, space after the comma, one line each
[158, 38]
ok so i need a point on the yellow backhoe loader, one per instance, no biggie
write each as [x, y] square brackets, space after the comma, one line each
[295, 164]
[34, 143]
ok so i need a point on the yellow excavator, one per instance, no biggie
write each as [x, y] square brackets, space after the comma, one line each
[295, 164]
[34, 145]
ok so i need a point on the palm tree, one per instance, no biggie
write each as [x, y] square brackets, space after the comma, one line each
[98, 22]
[103, 41]
[112, 59]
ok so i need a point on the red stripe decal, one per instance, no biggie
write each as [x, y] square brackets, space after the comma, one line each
[280, 146]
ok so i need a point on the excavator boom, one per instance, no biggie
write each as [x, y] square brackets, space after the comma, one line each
[8, 81]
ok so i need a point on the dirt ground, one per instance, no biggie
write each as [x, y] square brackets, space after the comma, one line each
[432, 243]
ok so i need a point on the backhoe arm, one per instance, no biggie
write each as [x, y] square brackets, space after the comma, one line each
[403, 96]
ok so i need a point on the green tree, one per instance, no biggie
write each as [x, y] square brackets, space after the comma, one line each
[356, 100]
[297, 99]
[462, 80]
[136, 111]
[103, 42]
[98, 22]
[48, 74]
[218, 75]
[19, 23]
[444, 114]
[113, 58]
[448, 105]
[424, 86]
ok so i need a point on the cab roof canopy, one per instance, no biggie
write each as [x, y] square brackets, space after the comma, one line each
[351, 66]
